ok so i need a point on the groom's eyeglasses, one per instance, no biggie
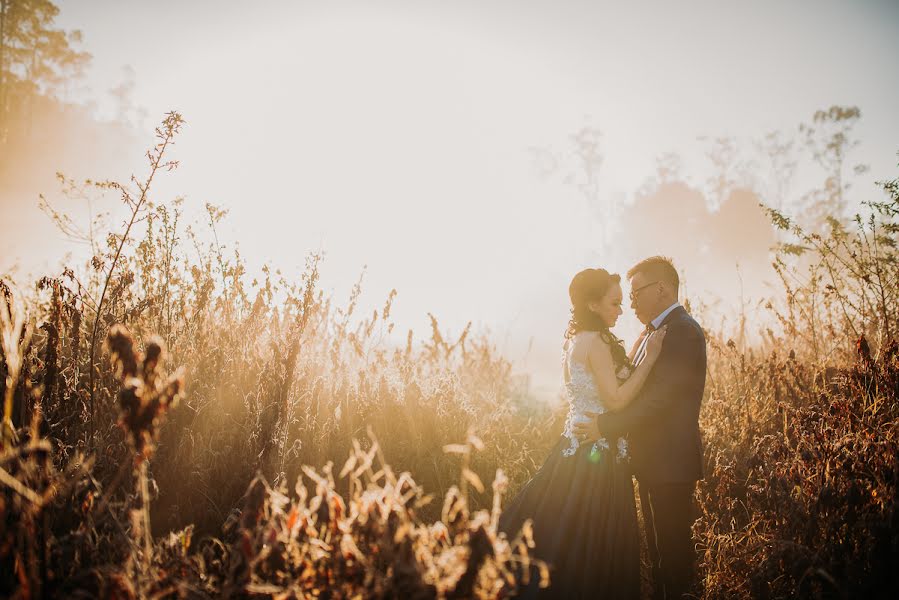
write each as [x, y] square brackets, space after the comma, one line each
[633, 294]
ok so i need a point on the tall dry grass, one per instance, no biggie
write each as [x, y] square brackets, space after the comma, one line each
[225, 481]
[278, 378]
[802, 494]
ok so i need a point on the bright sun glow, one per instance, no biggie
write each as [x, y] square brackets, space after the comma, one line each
[434, 145]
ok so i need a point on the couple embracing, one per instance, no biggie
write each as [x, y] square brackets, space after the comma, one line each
[630, 414]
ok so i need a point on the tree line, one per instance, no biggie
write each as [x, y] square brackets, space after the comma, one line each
[36, 60]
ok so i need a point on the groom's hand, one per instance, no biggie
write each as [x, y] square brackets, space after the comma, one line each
[587, 431]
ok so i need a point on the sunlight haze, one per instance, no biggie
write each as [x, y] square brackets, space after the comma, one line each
[431, 141]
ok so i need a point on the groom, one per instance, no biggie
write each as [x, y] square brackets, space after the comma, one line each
[662, 424]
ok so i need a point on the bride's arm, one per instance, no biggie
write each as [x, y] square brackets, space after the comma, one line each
[613, 395]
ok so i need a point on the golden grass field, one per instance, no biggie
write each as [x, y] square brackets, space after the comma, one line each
[171, 430]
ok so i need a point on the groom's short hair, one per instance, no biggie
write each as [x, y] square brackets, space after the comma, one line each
[657, 268]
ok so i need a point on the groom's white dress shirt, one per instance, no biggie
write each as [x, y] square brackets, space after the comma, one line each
[656, 323]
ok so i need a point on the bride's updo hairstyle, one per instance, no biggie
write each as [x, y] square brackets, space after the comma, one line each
[591, 285]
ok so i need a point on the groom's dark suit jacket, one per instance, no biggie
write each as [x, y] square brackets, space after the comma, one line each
[662, 422]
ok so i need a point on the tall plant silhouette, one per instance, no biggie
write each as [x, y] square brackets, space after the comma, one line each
[136, 200]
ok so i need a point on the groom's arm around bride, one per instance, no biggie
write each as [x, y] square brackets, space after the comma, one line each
[663, 421]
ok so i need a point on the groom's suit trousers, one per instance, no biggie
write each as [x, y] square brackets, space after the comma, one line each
[671, 514]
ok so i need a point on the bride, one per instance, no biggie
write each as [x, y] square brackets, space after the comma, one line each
[581, 501]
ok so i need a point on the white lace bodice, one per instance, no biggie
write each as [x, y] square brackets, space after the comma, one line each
[583, 397]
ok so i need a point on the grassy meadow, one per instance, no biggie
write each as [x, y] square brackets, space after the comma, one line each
[172, 430]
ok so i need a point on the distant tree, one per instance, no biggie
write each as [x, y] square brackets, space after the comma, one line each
[579, 166]
[779, 154]
[669, 169]
[828, 138]
[730, 170]
[35, 57]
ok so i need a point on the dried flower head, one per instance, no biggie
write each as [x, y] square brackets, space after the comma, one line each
[145, 396]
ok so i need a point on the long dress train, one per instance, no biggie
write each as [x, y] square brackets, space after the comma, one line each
[581, 502]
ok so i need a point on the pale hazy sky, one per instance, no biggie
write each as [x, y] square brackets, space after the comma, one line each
[396, 134]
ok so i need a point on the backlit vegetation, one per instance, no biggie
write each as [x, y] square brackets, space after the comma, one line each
[172, 429]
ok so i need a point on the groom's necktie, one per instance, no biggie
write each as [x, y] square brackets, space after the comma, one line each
[641, 352]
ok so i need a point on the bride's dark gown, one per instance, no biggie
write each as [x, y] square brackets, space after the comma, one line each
[581, 502]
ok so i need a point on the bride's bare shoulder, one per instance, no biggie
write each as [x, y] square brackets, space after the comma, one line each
[582, 338]
[599, 344]
[579, 344]
[588, 341]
